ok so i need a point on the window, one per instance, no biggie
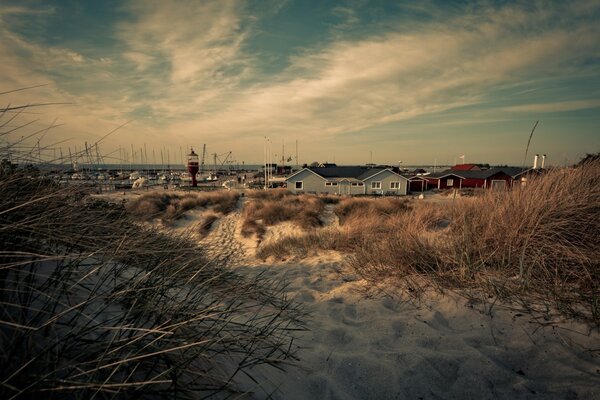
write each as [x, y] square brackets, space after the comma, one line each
[361, 184]
[394, 185]
[375, 185]
[327, 183]
[299, 185]
[333, 183]
[498, 184]
[354, 184]
[449, 182]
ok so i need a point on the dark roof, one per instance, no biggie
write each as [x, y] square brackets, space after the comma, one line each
[437, 175]
[482, 174]
[514, 171]
[370, 172]
[345, 171]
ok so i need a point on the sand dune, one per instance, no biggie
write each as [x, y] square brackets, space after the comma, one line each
[383, 348]
[363, 343]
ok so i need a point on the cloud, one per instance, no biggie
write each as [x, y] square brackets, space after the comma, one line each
[554, 107]
[197, 39]
[348, 86]
[183, 71]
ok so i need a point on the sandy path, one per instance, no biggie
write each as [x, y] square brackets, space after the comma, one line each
[223, 244]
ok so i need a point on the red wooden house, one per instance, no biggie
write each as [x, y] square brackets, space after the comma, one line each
[496, 178]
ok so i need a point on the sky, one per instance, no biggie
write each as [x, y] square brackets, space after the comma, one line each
[351, 82]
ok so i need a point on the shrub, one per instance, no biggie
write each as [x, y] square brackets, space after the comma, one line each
[169, 207]
[302, 210]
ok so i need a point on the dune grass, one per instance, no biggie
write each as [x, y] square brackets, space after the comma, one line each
[94, 306]
[270, 209]
[169, 207]
[534, 244]
[206, 223]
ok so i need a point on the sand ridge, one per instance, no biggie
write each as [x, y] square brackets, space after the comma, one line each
[371, 344]
[367, 345]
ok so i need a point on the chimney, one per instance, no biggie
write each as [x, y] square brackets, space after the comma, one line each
[543, 161]
[535, 160]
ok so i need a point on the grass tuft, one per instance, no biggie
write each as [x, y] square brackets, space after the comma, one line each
[170, 207]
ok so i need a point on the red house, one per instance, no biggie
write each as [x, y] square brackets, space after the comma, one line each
[416, 183]
[495, 178]
[444, 180]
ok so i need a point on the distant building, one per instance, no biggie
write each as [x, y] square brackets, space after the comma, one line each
[350, 180]
[495, 178]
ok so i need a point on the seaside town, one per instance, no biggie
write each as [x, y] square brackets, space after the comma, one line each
[295, 199]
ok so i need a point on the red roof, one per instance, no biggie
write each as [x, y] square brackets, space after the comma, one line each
[466, 167]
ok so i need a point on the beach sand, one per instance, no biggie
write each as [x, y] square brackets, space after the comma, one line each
[371, 343]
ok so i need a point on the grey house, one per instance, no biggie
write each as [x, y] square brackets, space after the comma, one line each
[348, 181]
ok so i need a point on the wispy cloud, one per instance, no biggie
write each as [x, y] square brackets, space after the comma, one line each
[353, 85]
[183, 69]
[562, 106]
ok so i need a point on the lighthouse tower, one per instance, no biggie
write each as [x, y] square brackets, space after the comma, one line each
[192, 166]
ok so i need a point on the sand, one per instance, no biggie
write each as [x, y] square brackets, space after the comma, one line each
[368, 344]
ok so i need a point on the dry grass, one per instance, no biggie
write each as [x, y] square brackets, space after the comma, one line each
[206, 223]
[303, 210]
[361, 209]
[95, 306]
[306, 243]
[170, 207]
[534, 244]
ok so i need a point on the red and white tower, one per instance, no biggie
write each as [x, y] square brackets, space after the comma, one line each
[192, 166]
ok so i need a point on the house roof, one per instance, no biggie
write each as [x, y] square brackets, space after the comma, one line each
[466, 167]
[349, 173]
[302, 170]
[481, 174]
[343, 171]
[442, 174]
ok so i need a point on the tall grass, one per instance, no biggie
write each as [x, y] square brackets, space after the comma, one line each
[303, 210]
[535, 243]
[95, 306]
[169, 206]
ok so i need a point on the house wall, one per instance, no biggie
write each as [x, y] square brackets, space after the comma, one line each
[497, 177]
[456, 184]
[473, 183]
[417, 185]
[311, 183]
[347, 189]
[386, 177]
